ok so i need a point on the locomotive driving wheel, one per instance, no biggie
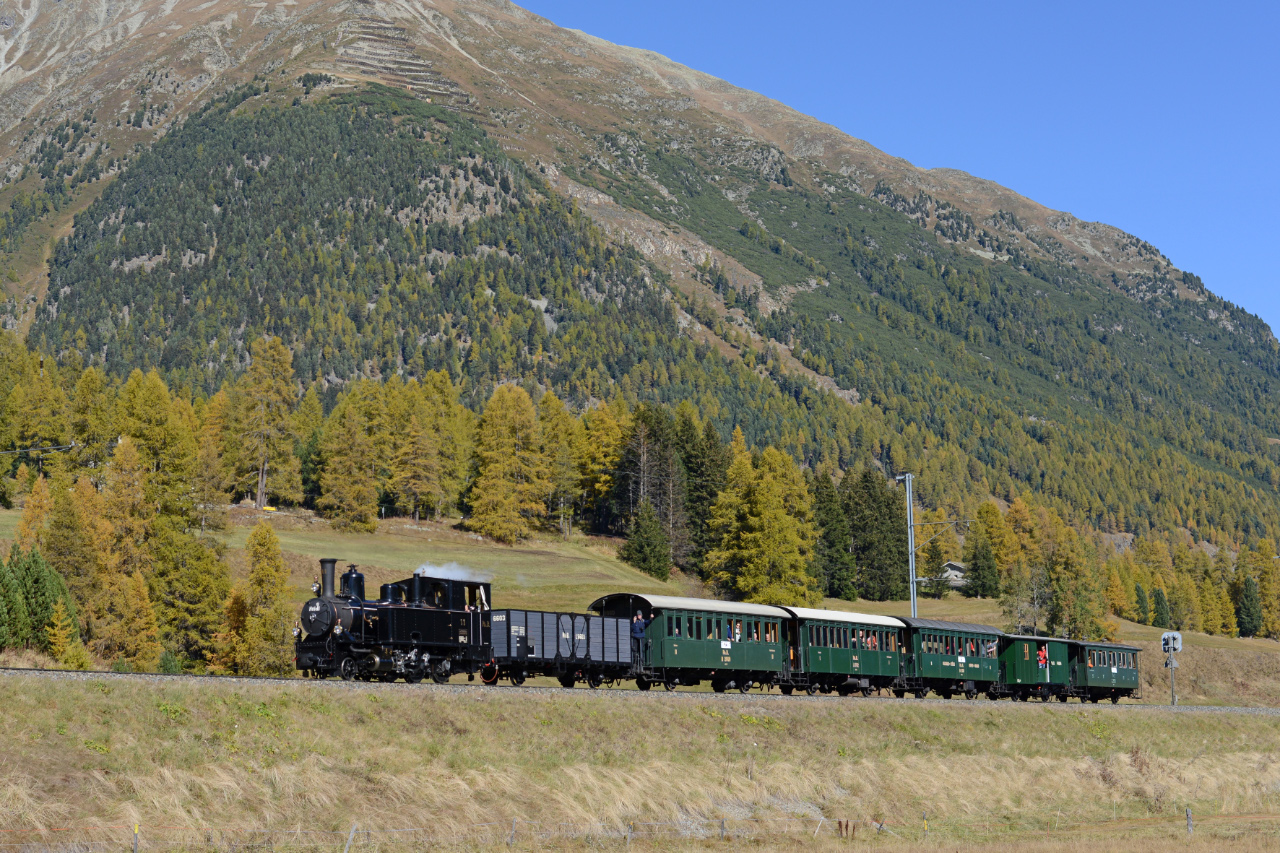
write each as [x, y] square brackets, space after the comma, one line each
[348, 670]
[440, 672]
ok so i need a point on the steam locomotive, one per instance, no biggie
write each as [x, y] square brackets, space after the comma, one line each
[440, 627]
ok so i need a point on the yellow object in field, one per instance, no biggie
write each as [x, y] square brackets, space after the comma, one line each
[268, 509]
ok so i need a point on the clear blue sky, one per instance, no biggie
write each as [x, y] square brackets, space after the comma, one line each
[1159, 118]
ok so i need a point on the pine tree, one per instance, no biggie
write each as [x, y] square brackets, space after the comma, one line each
[35, 516]
[763, 531]
[1249, 609]
[349, 489]
[1142, 607]
[512, 484]
[1117, 598]
[263, 403]
[92, 424]
[308, 427]
[127, 510]
[562, 448]
[935, 567]
[257, 619]
[189, 586]
[1160, 610]
[41, 589]
[125, 623]
[647, 547]
[415, 468]
[61, 632]
[982, 577]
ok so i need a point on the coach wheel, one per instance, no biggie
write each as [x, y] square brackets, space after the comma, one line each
[643, 683]
[899, 694]
[745, 687]
[670, 684]
[922, 692]
[992, 695]
[517, 679]
[1093, 699]
[1115, 698]
[718, 686]
[1062, 697]
[595, 680]
[348, 670]
[945, 694]
[811, 689]
[866, 692]
[440, 674]
[786, 689]
[489, 673]
[1044, 697]
[971, 694]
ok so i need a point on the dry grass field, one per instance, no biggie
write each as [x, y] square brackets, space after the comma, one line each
[194, 762]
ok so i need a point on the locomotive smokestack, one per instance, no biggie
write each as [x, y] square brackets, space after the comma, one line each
[328, 567]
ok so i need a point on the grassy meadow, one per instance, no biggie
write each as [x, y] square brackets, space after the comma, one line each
[191, 761]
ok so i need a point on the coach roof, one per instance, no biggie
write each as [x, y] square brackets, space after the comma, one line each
[673, 602]
[952, 626]
[845, 616]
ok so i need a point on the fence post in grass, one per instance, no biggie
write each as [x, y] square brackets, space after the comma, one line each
[821, 820]
[722, 829]
[511, 839]
[350, 837]
[135, 834]
[1189, 826]
[925, 815]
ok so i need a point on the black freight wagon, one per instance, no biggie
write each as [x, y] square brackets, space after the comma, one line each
[571, 647]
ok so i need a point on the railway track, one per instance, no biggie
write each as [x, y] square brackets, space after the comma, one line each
[627, 694]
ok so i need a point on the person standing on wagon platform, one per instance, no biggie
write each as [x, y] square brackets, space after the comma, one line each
[638, 624]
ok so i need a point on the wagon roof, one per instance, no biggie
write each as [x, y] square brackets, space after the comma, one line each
[674, 602]
[952, 626]
[845, 616]
[1034, 638]
[1103, 644]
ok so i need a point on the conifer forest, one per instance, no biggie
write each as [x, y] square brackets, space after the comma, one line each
[357, 304]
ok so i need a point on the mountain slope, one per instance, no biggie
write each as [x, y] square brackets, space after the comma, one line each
[928, 320]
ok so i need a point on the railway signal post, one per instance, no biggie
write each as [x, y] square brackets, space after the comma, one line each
[1170, 642]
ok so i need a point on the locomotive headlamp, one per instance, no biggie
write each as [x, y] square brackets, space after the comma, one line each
[315, 588]
[297, 632]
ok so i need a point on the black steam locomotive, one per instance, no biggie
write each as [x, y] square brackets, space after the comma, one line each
[418, 627]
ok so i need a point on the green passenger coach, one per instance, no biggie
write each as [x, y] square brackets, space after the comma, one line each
[733, 645]
[843, 652]
[949, 658]
[1103, 671]
[1035, 668]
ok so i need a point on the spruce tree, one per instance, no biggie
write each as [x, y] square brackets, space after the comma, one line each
[1142, 606]
[13, 602]
[1249, 609]
[647, 547]
[833, 552]
[935, 565]
[1160, 610]
[982, 578]
[878, 519]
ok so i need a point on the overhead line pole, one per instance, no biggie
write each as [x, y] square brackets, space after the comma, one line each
[911, 542]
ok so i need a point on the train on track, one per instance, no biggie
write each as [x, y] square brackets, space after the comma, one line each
[433, 627]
